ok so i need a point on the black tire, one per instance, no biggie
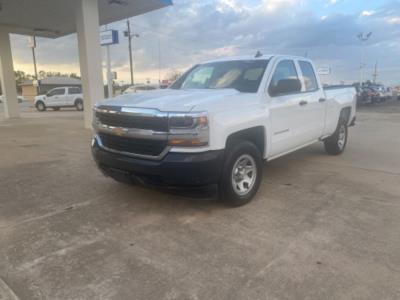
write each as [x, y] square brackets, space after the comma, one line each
[336, 143]
[40, 106]
[56, 108]
[236, 152]
[79, 104]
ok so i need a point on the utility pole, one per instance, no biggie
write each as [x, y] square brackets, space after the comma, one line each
[363, 38]
[32, 45]
[130, 35]
[375, 75]
[159, 62]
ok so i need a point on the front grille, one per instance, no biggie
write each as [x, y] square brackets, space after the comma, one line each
[133, 145]
[127, 121]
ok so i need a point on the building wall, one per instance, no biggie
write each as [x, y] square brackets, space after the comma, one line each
[29, 92]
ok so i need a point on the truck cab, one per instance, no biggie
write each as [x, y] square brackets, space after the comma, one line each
[219, 122]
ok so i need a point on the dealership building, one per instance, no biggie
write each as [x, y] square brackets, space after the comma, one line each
[57, 18]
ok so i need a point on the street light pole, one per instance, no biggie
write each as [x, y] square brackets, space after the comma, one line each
[363, 38]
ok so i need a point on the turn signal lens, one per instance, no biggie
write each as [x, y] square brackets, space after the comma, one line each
[186, 143]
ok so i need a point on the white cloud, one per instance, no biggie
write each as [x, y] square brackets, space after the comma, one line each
[393, 20]
[274, 5]
[223, 5]
[367, 13]
[323, 18]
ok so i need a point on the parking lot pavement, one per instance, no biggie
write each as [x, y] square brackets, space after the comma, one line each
[321, 227]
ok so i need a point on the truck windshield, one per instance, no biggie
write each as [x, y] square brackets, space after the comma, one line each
[242, 75]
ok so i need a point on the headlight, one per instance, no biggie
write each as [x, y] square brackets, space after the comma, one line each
[188, 129]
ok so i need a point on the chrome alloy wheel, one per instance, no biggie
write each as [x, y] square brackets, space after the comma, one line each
[342, 136]
[244, 174]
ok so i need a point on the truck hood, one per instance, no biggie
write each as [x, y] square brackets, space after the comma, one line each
[40, 97]
[173, 100]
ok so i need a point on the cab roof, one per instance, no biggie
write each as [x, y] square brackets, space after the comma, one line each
[253, 57]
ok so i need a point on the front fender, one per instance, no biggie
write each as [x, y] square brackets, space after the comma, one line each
[229, 122]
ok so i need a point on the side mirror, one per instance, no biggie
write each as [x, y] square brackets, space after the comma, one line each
[286, 86]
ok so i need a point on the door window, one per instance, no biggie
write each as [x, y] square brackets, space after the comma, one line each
[56, 92]
[310, 80]
[285, 69]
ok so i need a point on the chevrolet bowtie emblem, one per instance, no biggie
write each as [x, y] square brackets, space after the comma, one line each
[118, 131]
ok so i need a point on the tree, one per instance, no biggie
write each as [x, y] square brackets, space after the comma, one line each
[173, 75]
[45, 74]
[20, 77]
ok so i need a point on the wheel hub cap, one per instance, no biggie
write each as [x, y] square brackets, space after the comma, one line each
[342, 137]
[244, 173]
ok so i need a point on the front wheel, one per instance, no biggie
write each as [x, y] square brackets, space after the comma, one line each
[242, 172]
[40, 106]
[336, 143]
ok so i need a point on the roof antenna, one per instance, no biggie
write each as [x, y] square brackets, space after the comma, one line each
[258, 54]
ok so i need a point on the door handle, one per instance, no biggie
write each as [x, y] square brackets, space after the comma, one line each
[321, 100]
[303, 102]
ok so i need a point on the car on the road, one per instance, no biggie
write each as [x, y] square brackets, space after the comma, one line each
[20, 99]
[60, 97]
[368, 95]
[140, 88]
[219, 122]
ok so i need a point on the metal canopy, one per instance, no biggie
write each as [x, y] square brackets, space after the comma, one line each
[55, 18]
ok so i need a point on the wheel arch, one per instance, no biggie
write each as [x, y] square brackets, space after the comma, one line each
[256, 135]
[39, 101]
[345, 114]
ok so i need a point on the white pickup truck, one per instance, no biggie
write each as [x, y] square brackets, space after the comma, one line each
[219, 122]
[60, 97]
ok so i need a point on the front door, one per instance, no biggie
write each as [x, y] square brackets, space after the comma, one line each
[55, 97]
[287, 111]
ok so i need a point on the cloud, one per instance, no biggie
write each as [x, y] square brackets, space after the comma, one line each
[367, 13]
[193, 31]
[393, 20]
[274, 5]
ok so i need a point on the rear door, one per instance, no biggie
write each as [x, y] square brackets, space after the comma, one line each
[72, 94]
[315, 108]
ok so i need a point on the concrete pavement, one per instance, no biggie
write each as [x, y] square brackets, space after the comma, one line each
[321, 227]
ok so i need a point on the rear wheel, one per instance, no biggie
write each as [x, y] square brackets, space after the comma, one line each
[336, 143]
[242, 172]
[56, 108]
[40, 106]
[79, 105]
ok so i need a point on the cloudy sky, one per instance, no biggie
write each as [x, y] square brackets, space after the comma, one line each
[193, 31]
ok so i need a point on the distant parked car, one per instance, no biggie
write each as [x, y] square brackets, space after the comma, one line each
[368, 95]
[20, 99]
[60, 97]
[388, 93]
[140, 88]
